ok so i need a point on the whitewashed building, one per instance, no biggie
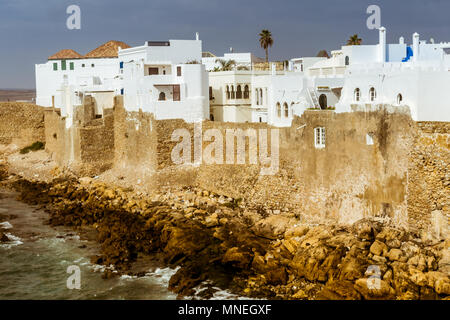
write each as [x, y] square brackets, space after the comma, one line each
[243, 60]
[413, 77]
[67, 77]
[167, 79]
[256, 96]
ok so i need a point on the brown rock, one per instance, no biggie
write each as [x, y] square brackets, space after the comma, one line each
[339, 290]
[394, 254]
[378, 248]
[374, 289]
[237, 258]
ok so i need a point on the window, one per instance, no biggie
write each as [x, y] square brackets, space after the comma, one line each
[399, 98]
[319, 137]
[261, 96]
[301, 67]
[372, 94]
[92, 65]
[357, 94]
[210, 93]
[286, 110]
[278, 110]
[71, 66]
[369, 139]
[257, 97]
[238, 92]
[178, 71]
[162, 96]
[55, 66]
[246, 92]
[260, 119]
[121, 91]
[152, 71]
[228, 92]
[347, 60]
[63, 65]
[83, 65]
[120, 65]
[323, 101]
[232, 92]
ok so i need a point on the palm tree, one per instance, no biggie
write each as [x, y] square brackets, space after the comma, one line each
[266, 41]
[226, 65]
[354, 40]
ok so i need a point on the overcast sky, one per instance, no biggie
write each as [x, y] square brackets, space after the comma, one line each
[32, 30]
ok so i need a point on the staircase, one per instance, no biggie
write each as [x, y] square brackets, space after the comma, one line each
[313, 97]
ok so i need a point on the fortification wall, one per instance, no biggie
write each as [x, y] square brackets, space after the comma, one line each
[21, 123]
[87, 147]
[429, 180]
[345, 181]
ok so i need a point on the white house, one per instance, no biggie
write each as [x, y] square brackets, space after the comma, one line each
[67, 77]
[167, 79]
[244, 59]
[256, 96]
[414, 77]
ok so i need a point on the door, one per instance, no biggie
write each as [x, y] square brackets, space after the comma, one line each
[176, 92]
[323, 101]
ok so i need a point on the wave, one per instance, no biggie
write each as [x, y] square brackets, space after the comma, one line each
[6, 225]
[13, 241]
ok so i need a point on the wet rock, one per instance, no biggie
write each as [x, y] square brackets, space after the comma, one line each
[3, 237]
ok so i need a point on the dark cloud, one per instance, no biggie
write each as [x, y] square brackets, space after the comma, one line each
[33, 30]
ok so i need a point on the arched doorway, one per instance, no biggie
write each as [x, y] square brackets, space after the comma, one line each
[323, 101]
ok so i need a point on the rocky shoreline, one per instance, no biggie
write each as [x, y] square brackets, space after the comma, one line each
[217, 242]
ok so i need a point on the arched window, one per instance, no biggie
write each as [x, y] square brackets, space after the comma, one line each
[228, 92]
[372, 94]
[257, 97]
[246, 92]
[286, 110]
[162, 96]
[357, 94]
[279, 110]
[323, 101]
[347, 60]
[232, 92]
[261, 96]
[399, 99]
[238, 92]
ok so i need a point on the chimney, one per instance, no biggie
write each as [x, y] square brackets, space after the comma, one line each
[416, 39]
[401, 40]
[382, 44]
[197, 36]
[274, 69]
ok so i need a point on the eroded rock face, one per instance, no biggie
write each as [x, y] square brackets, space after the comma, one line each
[254, 255]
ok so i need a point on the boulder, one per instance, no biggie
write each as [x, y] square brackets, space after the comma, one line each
[237, 258]
[339, 290]
[378, 248]
[374, 289]
[394, 254]
[271, 227]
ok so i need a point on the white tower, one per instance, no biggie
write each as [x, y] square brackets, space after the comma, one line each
[382, 44]
[416, 39]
